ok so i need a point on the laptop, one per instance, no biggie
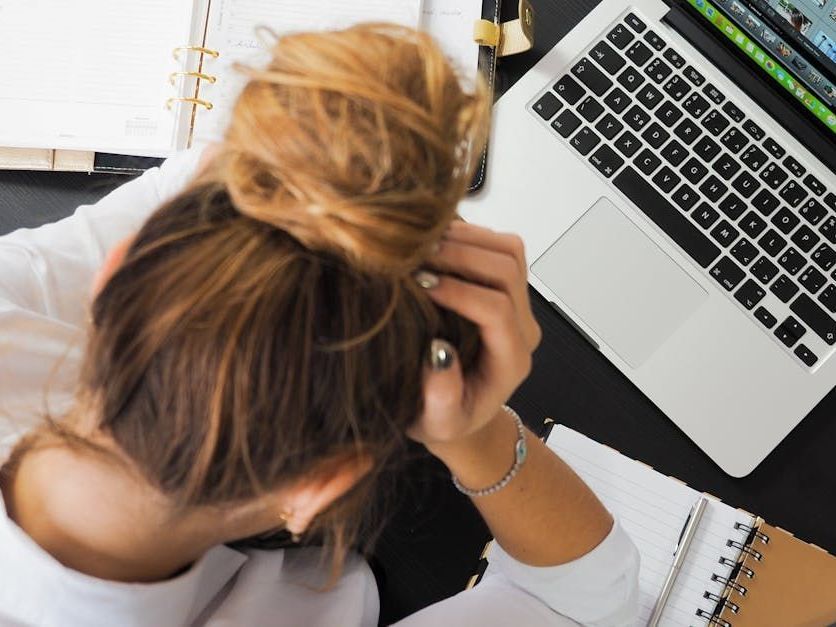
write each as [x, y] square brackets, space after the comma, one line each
[670, 168]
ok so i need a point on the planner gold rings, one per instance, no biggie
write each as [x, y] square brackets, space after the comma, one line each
[172, 78]
[195, 101]
[212, 53]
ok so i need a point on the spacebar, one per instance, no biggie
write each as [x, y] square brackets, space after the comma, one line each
[666, 216]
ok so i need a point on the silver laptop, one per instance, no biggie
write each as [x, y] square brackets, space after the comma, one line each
[685, 230]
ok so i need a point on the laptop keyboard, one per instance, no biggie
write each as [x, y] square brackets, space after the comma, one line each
[731, 197]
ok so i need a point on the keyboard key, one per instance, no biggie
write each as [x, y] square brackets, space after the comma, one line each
[733, 206]
[812, 211]
[805, 355]
[830, 201]
[731, 110]
[620, 36]
[785, 220]
[654, 40]
[693, 75]
[715, 122]
[774, 148]
[606, 161]
[566, 123]
[713, 188]
[765, 318]
[755, 131]
[774, 175]
[635, 23]
[638, 53]
[815, 317]
[706, 149]
[812, 280]
[824, 256]
[636, 117]
[746, 184]
[606, 57]
[647, 162]
[784, 288]
[547, 106]
[752, 224]
[585, 140]
[676, 87]
[828, 298]
[674, 152]
[685, 197]
[744, 251]
[725, 166]
[668, 114]
[790, 331]
[666, 217]
[568, 89]
[765, 202]
[772, 243]
[617, 100]
[764, 270]
[687, 131]
[793, 193]
[792, 164]
[828, 229]
[791, 260]
[750, 294]
[609, 126]
[724, 233]
[666, 179]
[630, 79]
[814, 185]
[693, 170]
[628, 144]
[734, 140]
[805, 238]
[712, 92]
[705, 215]
[673, 57]
[590, 109]
[649, 96]
[696, 105]
[591, 76]
[727, 273]
[754, 158]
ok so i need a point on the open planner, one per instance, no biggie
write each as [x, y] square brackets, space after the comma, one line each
[152, 77]
[738, 572]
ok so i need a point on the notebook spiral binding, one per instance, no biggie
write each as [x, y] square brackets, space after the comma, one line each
[198, 75]
[738, 568]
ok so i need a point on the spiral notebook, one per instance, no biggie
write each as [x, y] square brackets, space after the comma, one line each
[739, 571]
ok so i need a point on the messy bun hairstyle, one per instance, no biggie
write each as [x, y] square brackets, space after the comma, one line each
[266, 318]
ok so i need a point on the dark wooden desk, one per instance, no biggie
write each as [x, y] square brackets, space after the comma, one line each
[429, 548]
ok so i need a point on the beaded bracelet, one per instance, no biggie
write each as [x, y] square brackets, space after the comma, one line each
[520, 453]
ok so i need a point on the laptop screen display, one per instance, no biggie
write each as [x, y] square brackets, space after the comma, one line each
[792, 44]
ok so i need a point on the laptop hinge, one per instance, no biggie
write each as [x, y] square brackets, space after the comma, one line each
[803, 130]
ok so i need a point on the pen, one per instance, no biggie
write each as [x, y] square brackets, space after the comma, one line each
[689, 530]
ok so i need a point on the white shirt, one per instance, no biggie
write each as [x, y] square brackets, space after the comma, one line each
[45, 278]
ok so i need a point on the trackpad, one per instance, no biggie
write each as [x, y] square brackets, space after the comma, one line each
[619, 282]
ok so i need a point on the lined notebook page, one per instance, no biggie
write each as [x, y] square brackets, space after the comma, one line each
[232, 31]
[653, 508]
[89, 74]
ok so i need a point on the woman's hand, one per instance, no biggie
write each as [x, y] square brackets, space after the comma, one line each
[493, 294]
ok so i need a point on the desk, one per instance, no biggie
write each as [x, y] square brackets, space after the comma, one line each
[428, 549]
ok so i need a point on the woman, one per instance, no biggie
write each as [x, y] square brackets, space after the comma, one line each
[259, 350]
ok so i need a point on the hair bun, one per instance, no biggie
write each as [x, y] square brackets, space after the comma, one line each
[357, 142]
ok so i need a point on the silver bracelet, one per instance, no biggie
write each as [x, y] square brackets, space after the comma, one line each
[520, 453]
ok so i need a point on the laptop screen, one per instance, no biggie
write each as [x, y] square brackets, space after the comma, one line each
[795, 45]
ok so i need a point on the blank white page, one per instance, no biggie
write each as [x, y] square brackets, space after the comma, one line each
[232, 31]
[90, 74]
[653, 508]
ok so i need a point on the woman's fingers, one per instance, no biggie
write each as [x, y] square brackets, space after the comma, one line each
[442, 418]
[460, 231]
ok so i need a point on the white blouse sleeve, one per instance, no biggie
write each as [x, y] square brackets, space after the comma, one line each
[45, 279]
[599, 589]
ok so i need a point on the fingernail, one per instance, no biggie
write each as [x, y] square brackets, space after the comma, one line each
[435, 248]
[442, 354]
[425, 279]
